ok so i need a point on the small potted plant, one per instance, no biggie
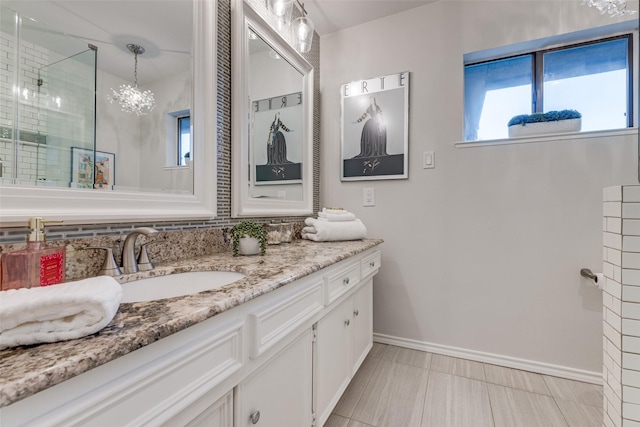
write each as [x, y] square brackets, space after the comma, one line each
[187, 158]
[545, 123]
[248, 238]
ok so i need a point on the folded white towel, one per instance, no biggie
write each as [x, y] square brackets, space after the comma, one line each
[332, 217]
[325, 231]
[59, 312]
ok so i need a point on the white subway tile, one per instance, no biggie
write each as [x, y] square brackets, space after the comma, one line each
[612, 209]
[631, 193]
[617, 273]
[615, 305]
[630, 210]
[630, 293]
[631, 411]
[613, 225]
[631, 345]
[630, 423]
[607, 270]
[631, 395]
[630, 260]
[630, 377]
[631, 310]
[612, 240]
[613, 288]
[613, 336]
[630, 327]
[630, 243]
[614, 319]
[614, 352]
[614, 256]
[608, 422]
[630, 277]
[631, 227]
[612, 194]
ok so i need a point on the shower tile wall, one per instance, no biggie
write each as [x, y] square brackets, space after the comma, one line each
[35, 57]
[621, 311]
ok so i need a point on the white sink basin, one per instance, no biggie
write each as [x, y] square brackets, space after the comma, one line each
[175, 285]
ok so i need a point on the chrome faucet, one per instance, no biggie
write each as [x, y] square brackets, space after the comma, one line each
[129, 263]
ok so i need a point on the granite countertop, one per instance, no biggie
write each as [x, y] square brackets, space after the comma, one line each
[27, 370]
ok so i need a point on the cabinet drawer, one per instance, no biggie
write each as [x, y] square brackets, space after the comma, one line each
[371, 263]
[276, 320]
[341, 281]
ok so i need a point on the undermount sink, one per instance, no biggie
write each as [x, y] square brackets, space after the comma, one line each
[175, 285]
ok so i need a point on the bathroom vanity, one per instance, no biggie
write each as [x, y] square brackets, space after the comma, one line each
[276, 348]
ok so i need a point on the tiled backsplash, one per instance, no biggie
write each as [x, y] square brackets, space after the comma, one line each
[621, 310]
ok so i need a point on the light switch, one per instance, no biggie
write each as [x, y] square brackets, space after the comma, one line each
[429, 160]
[368, 197]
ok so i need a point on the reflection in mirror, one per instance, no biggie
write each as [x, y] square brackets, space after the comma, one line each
[145, 171]
[272, 121]
[276, 137]
[61, 112]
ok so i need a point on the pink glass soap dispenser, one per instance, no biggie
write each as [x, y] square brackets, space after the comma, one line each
[37, 265]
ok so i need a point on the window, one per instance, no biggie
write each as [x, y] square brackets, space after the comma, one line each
[184, 140]
[547, 80]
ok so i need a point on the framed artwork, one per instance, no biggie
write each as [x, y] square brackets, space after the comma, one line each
[375, 128]
[276, 148]
[85, 173]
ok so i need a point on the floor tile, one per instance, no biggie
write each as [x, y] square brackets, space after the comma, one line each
[336, 421]
[514, 378]
[354, 423]
[459, 367]
[394, 396]
[377, 349]
[576, 391]
[455, 401]
[407, 356]
[351, 396]
[578, 415]
[512, 407]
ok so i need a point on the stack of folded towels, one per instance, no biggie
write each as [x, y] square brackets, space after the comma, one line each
[332, 225]
[59, 312]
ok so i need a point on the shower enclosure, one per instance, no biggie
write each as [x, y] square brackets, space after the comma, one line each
[47, 105]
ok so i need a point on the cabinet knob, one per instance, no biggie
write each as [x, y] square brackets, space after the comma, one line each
[347, 322]
[372, 264]
[356, 312]
[255, 417]
[346, 281]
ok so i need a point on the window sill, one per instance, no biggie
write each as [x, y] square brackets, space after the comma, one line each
[544, 138]
[176, 168]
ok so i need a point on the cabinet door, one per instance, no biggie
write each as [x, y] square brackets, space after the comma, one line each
[218, 414]
[279, 393]
[362, 324]
[332, 360]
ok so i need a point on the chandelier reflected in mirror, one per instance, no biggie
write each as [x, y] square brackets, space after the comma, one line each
[131, 98]
[615, 8]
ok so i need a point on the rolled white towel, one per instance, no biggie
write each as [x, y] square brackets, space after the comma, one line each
[333, 217]
[59, 312]
[333, 231]
[336, 211]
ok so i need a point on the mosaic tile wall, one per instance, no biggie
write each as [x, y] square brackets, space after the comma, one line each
[223, 219]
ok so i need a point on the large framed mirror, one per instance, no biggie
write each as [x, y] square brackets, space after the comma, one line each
[272, 120]
[153, 180]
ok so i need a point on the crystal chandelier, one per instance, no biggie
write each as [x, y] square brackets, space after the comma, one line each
[131, 98]
[614, 8]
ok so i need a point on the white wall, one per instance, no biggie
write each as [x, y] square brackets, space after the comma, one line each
[483, 252]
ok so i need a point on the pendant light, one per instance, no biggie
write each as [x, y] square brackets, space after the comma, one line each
[281, 9]
[131, 98]
[302, 31]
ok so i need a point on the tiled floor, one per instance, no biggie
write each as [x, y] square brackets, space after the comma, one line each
[398, 387]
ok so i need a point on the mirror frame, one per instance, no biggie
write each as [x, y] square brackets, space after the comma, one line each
[75, 206]
[241, 204]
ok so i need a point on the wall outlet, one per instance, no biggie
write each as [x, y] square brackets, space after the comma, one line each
[368, 197]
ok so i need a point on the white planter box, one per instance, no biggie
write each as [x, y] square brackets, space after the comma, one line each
[545, 128]
[248, 246]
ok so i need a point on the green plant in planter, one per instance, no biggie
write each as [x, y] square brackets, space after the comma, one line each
[248, 229]
[551, 116]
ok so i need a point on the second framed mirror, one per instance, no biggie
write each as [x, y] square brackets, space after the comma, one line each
[272, 116]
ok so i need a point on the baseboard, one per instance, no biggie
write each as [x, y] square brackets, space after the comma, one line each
[494, 359]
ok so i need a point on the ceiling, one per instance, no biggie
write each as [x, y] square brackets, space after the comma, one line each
[329, 16]
[163, 28]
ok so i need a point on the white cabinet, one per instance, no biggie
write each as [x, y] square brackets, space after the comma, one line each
[344, 337]
[279, 393]
[216, 414]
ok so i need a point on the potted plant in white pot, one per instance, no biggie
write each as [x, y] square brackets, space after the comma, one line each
[248, 238]
[545, 123]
